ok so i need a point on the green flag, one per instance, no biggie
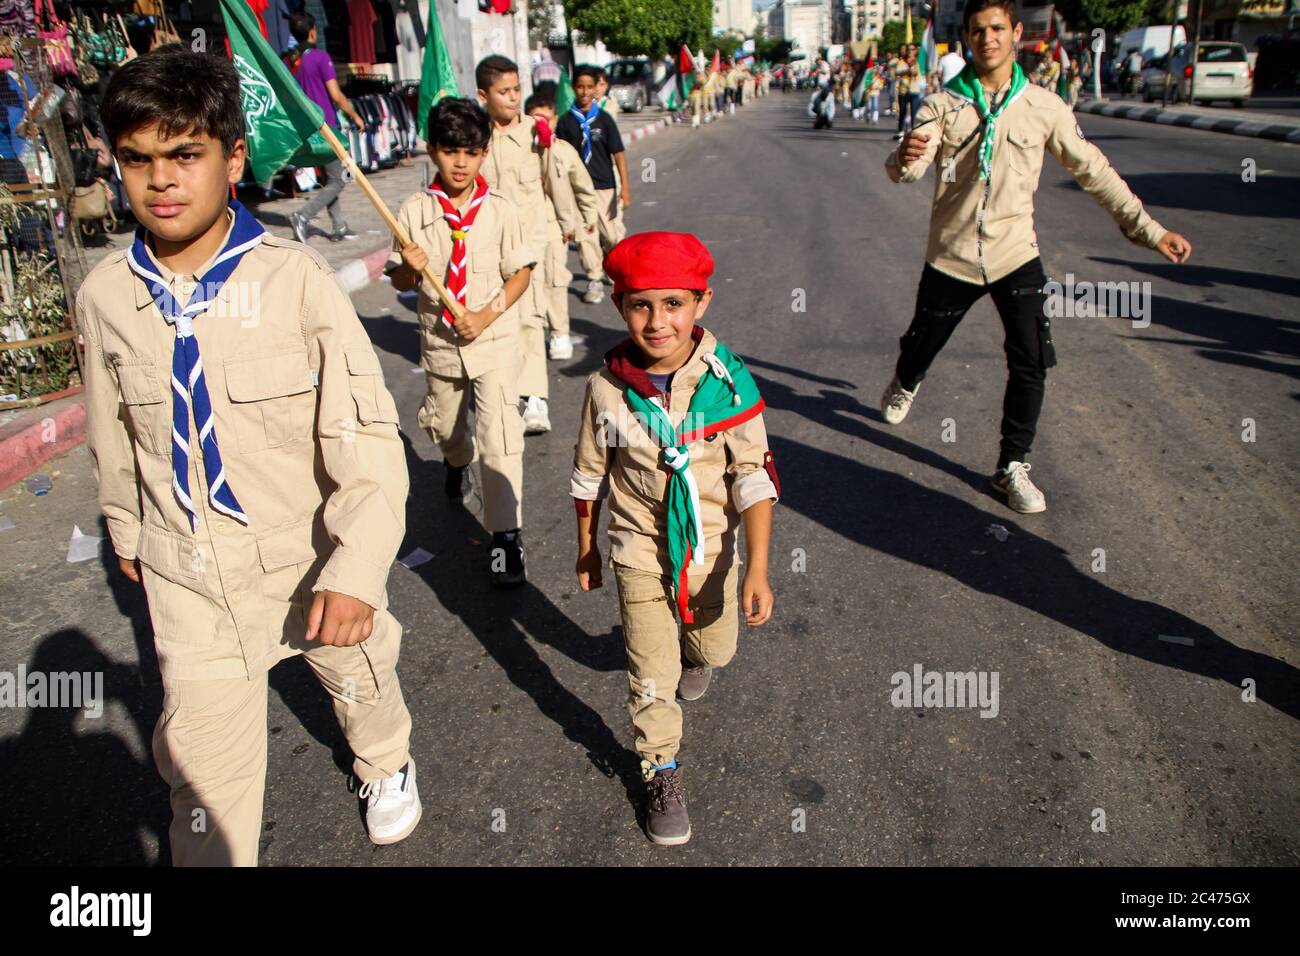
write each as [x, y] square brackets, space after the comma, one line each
[280, 121]
[564, 95]
[437, 77]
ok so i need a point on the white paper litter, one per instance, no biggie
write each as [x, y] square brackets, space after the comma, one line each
[998, 532]
[82, 547]
[6, 523]
[416, 558]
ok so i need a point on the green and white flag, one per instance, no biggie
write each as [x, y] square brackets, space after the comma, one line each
[437, 76]
[281, 122]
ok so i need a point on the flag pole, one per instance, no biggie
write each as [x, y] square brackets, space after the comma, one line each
[390, 220]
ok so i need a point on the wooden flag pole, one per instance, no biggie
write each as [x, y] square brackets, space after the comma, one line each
[394, 226]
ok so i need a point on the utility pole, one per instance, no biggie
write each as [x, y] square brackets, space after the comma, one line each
[1195, 54]
[1169, 57]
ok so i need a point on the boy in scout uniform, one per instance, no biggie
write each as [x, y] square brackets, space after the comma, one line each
[516, 167]
[672, 433]
[990, 126]
[473, 235]
[594, 134]
[249, 465]
[573, 210]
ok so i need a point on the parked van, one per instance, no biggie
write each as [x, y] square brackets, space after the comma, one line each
[1151, 42]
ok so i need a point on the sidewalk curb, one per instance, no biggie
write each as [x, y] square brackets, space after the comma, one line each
[23, 452]
[1148, 113]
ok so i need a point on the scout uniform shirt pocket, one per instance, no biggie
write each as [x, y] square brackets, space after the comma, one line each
[1025, 154]
[177, 575]
[148, 412]
[287, 556]
[366, 382]
[272, 399]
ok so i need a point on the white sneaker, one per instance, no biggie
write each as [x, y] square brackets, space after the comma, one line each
[392, 806]
[561, 348]
[537, 419]
[897, 401]
[595, 293]
[1022, 494]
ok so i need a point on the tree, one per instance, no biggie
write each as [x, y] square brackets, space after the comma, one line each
[770, 49]
[892, 36]
[653, 28]
[1113, 16]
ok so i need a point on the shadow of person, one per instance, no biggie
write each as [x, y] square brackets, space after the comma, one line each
[499, 621]
[1205, 276]
[906, 520]
[77, 795]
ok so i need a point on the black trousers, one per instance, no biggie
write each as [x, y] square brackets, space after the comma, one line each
[942, 301]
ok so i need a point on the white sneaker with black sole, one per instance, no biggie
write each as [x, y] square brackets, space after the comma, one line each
[897, 401]
[537, 418]
[393, 807]
[1022, 494]
[595, 293]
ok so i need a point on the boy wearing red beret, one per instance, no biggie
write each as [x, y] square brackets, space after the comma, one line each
[672, 433]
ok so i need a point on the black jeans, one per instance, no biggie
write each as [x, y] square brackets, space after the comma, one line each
[941, 301]
[908, 104]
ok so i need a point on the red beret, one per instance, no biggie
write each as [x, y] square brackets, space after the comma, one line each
[659, 260]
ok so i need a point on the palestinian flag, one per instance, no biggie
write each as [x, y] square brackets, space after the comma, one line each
[1061, 57]
[673, 92]
[926, 57]
[864, 83]
[725, 397]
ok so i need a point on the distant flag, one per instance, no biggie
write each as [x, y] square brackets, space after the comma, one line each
[281, 122]
[1061, 57]
[908, 37]
[673, 92]
[864, 83]
[437, 76]
[717, 61]
[564, 96]
[927, 58]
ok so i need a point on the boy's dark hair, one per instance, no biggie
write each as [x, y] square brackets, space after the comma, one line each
[175, 89]
[543, 95]
[301, 25]
[978, 6]
[585, 70]
[457, 123]
[491, 67]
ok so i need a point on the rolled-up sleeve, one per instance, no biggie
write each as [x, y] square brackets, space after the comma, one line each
[362, 452]
[1093, 171]
[516, 252]
[112, 452]
[590, 480]
[750, 465]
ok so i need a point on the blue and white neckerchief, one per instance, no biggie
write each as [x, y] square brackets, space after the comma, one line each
[584, 120]
[188, 381]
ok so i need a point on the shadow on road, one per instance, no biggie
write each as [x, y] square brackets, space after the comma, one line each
[1270, 197]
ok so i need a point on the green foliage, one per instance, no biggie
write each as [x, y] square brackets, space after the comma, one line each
[892, 35]
[652, 28]
[1113, 16]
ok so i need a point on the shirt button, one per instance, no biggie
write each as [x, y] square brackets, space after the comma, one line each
[234, 598]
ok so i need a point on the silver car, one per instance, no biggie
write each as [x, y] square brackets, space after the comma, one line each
[1222, 73]
[631, 84]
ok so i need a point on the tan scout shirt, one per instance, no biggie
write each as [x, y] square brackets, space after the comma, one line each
[573, 197]
[497, 250]
[982, 230]
[617, 456]
[308, 437]
[516, 167]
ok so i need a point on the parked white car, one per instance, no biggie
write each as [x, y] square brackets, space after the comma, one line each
[1223, 72]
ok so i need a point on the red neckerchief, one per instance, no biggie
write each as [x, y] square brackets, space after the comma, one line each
[460, 222]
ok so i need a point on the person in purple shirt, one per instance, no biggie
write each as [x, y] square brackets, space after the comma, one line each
[314, 71]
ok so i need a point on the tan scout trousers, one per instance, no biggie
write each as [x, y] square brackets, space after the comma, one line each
[498, 437]
[210, 743]
[656, 643]
[610, 230]
[557, 277]
[532, 339]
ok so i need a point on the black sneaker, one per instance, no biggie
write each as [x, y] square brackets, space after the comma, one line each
[341, 234]
[506, 558]
[299, 226]
[666, 822]
[454, 484]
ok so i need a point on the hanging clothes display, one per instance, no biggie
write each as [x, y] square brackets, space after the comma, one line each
[316, 9]
[385, 31]
[410, 38]
[276, 18]
[361, 31]
[391, 132]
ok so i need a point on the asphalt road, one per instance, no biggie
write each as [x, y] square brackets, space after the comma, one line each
[883, 559]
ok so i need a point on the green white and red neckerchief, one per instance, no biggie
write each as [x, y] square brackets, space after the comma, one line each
[967, 86]
[726, 396]
[460, 221]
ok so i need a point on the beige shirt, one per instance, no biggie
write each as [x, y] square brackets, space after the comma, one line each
[982, 230]
[617, 457]
[308, 438]
[516, 167]
[496, 250]
[573, 199]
